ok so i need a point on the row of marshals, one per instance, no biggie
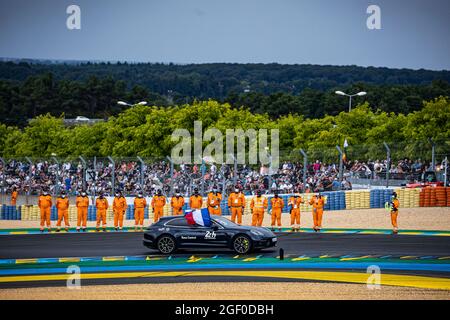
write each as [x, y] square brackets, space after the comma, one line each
[259, 204]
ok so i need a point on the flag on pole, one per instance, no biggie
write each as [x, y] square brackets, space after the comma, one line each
[344, 156]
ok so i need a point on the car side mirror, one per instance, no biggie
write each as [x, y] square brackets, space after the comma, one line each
[215, 228]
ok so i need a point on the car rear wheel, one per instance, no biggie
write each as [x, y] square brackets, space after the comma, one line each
[166, 244]
[242, 244]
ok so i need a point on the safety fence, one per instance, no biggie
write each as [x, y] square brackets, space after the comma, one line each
[338, 200]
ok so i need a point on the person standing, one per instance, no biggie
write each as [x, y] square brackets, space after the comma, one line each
[45, 206]
[119, 209]
[294, 204]
[236, 204]
[258, 205]
[62, 205]
[317, 202]
[14, 196]
[158, 203]
[277, 207]
[102, 205]
[177, 203]
[214, 200]
[82, 203]
[196, 200]
[139, 210]
[395, 204]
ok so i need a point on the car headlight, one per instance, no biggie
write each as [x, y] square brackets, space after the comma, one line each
[257, 233]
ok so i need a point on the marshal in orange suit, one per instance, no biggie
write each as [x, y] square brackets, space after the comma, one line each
[158, 203]
[236, 204]
[139, 210]
[317, 202]
[45, 206]
[177, 203]
[277, 207]
[82, 203]
[62, 204]
[119, 209]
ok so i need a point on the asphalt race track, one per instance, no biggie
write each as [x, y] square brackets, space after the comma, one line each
[30, 260]
[117, 244]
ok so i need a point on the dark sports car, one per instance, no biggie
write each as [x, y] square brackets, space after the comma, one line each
[171, 233]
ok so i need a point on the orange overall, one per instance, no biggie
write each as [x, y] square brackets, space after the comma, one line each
[82, 204]
[258, 205]
[177, 204]
[45, 205]
[214, 200]
[158, 203]
[14, 196]
[195, 202]
[102, 205]
[62, 204]
[394, 213]
[119, 208]
[317, 210]
[295, 202]
[236, 203]
[139, 210]
[277, 207]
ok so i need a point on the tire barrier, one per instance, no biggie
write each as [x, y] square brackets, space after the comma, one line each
[378, 197]
[10, 213]
[435, 197]
[441, 197]
[409, 198]
[357, 199]
[447, 191]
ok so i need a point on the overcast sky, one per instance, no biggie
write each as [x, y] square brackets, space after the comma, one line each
[414, 34]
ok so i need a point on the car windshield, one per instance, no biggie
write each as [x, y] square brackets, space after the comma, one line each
[224, 222]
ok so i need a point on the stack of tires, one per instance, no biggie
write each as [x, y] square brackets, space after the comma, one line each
[53, 213]
[377, 198]
[129, 214]
[92, 213]
[340, 200]
[448, 196]
[441, 196]
[330, 200]
[73, 213]
[426, 192]
[387, 195]
[10, 213]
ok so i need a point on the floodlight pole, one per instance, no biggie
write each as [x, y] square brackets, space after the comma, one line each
[84, 171]
[56, 190]
[113, 175]
[341, 164]
[142, 173]
[305, 167]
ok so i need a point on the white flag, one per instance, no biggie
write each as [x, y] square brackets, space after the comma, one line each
[345, 143]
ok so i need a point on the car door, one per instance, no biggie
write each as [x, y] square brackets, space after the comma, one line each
[211, 236]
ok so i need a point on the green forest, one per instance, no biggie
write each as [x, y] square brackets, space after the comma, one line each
[146, 131]
[28, 89]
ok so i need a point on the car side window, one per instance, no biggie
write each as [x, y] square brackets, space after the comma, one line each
[178, 223]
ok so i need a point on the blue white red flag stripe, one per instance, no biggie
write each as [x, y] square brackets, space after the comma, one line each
[198, 216]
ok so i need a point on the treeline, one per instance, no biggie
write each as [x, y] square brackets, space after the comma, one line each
[221, 79]
[146, 131]
[96, 97]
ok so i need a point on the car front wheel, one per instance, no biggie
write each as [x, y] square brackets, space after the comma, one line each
[166, 244]
[242, 244]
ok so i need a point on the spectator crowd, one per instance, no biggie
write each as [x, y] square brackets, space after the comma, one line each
[96, 178]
